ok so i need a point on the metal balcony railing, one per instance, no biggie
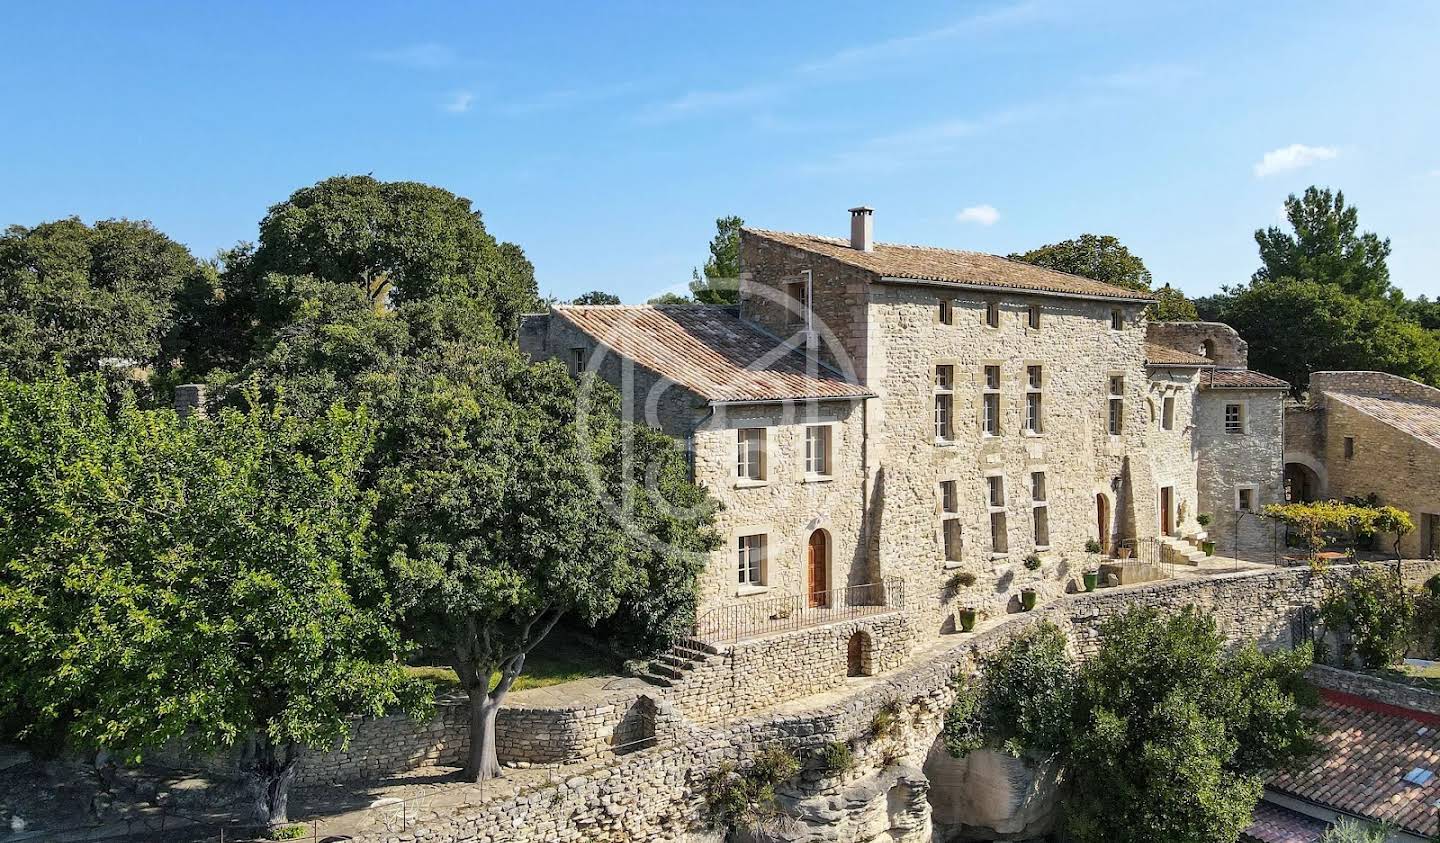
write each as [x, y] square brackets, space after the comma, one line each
[798, 611]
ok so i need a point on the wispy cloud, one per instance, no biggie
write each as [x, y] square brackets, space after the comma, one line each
[428, 56]
[459, 102]
[979, 214]
[1147, 77]
[562, 98]
[929, 142]
[700, 102]
[1293, 157]
[904, 46]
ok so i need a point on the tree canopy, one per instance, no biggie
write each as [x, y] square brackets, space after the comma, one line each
[1100, 257]
[720, 281]
[1171, 305]
[1325, 246]
[206, 579]
[84, 294]
[596, 297]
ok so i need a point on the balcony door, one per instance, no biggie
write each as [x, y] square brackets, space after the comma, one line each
[817, 566]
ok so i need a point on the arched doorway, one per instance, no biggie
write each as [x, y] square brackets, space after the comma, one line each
[817, 567]
[1102, 520]
[859, 655]
[1301, 483]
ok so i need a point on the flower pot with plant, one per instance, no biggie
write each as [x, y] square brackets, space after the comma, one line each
[1092, 546]
[1027, 599]
[966, 616]
[1092, 579]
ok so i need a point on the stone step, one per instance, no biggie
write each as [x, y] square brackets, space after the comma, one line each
[659, 668]
[661, 681]
[695, 644]
[684, 661]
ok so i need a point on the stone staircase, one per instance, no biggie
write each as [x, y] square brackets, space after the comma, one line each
[1183, 551]
[672, 665]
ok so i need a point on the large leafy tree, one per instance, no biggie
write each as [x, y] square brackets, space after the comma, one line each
[596, 297]
[1171, 305]
[206, 579]
[510, 501]
[1325, 246]
[1100, 257]
[87, 293]
[720, 281]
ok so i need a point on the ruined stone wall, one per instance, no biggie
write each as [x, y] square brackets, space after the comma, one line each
[1216, 340]
[657, 794]
[1254, 458]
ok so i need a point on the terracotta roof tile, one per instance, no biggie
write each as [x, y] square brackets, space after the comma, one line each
[1240, 379]
[950, 265]
[1163, 355]
[1365, 750]
[1419, 420]
[708, 350]
[1274, 824]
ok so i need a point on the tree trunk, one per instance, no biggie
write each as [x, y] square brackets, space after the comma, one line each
[482, 762]
[269, 774]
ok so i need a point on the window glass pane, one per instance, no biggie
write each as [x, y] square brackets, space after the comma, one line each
[1032, 412]
[992, 413]
[1037, 485]
[999, 543]
[997, 490]
[1035, 376]
[949, 498]
[1034, 315]
[992, 377]
[944, 412]
[945, 377]
[1168, 417]
[1042, 526]
[953, 542]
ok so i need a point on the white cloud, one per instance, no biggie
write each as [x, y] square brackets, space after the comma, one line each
[922, 144]
[980, 214]
[700, 102]
[1293, 157]
[424, 56]
[459, 102]
[905, 45]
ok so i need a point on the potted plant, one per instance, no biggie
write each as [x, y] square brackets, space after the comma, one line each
[1092, 579]
[1032, 562]
[1208, 546]
[1203, 520]
[1092, 546]
[1027, 598]
[966, 616]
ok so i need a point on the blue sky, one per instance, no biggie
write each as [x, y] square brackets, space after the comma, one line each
[606, 138]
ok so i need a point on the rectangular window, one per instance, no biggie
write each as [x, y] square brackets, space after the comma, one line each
[1042, 526]
[1117, 405]
[1034, 316]
[577, 361]
[947, 312]
[1167, 413]
[817, 449]
[945, 403]
[1033, 400]
[750, 453]
[798, 304]
[1234, 418]
[949, 498]
[995, 488]
[750, 560]
[950, 520]
[1349, 447]
[1245, 499]
[953, 539]
[999, 539]
[990, 406]
[992, 314]
[1117, 319]
[1037, 486]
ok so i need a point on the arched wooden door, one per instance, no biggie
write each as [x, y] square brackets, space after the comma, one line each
[817, 567]
[1102, 517]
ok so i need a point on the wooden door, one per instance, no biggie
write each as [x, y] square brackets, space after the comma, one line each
[1102, 513]
[817, 564]
[1167, 502]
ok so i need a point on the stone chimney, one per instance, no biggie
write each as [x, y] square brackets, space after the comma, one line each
[862, 229]
[190, 399]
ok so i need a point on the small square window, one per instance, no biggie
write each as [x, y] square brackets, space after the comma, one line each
[1245, 499]
[577, 360]
[817, 449]
[992, 314]
[750, 560]
[1033, 316]
[947, 312]
[1349, 447]
[1117, 319]
[1234, 418]
[750, 453]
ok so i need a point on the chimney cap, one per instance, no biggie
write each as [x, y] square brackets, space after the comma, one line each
[862, 209]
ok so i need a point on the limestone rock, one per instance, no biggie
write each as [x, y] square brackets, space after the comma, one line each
[988, 795]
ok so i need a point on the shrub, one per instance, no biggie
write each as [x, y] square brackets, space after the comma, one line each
[1347, 830]
[1022, 701]
[287, 832]
[1376, 610]
[1032, 562]
[1203, 520]
[837, 758]
[747, 799]
[959, 580]
[886, 722]
[1092, 546]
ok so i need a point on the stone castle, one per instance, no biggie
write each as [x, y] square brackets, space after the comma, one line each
[878, 418]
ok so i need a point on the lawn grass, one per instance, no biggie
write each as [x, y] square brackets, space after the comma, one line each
[560, 658]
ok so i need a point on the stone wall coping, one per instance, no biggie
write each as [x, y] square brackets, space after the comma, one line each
[1375, 688]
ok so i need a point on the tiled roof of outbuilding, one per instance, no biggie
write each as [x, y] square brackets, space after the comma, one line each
[929, 263]
[1274, 824]
[1419, 420]
[1240, 379]
[1163, 355]
[709, 351]
[1365, 750]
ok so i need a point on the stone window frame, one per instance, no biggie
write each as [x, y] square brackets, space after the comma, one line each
[938, 392]
[1244, 420]
[990, 314]
[1033, 316]
[1254, 490]
[1040, 502]
[991, 395]
[1168, 402]
[767, 552]
[743, 481]
[797, 303]
[1117, 319]
[576, 361]
[1032, 367]
[1347, 446]
[832, 431]
[1115, 404]
[945, 312]
[993, 510]
[946, 518]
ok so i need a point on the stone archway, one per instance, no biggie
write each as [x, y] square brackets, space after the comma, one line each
[860, 654]
[1310, 474]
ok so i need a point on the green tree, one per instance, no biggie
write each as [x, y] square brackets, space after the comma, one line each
[596, 297]
[509, 501]
[720, 282]
[1174, 735]
[205, 580]
[1326, 247]
[1022, 701]
[1099, 257]
[1376, 609]
[87, 293]
[1171, 305]
[671, 298]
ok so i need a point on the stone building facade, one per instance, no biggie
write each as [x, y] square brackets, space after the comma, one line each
[1369, 433]
[873, 411]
